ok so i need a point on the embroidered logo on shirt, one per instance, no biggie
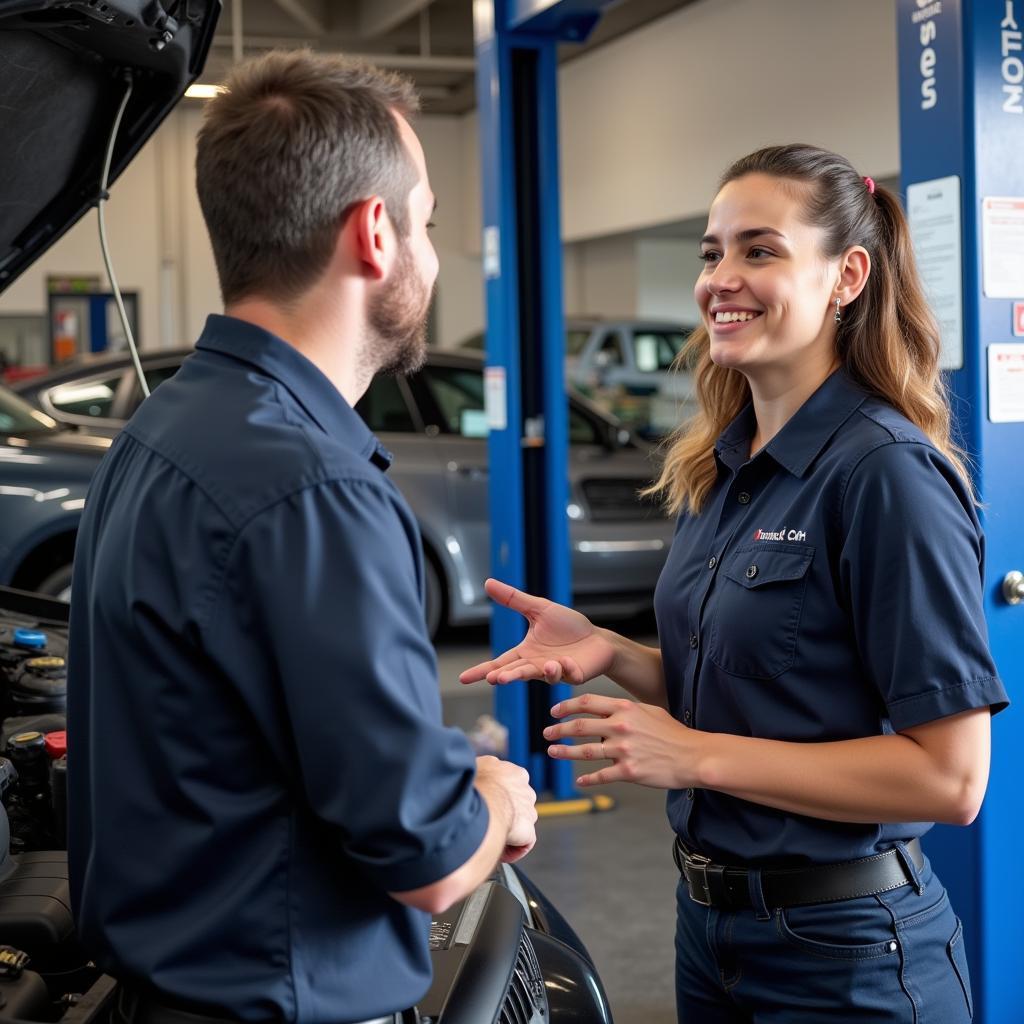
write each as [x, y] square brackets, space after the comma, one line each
[782, 534]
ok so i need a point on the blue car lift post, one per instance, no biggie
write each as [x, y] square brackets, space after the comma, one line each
[961, 78]
[517, 97]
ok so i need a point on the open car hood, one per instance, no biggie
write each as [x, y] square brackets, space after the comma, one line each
[64, 65]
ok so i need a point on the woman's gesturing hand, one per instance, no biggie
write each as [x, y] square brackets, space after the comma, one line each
[647, 745]
[560, 645]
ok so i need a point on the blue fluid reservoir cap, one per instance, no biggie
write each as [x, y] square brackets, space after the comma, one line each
[31, 638]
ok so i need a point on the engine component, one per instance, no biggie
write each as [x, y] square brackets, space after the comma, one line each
[29, 807]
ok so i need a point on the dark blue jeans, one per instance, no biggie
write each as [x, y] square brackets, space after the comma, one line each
[895, 957]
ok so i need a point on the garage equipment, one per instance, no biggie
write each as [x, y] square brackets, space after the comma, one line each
[961, 78]
[517, 88]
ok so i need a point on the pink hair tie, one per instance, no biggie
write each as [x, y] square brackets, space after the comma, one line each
[870, 182]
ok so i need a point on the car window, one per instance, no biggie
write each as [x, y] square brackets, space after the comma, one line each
[93, 397]
[610, 352]
[383, 408]
[459, 394]
[18, 417]
[575, 340]
[156, 375]
[583, 430]
[654, 351]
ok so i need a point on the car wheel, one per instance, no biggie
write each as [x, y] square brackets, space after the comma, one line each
[57, 584]
[435, 597]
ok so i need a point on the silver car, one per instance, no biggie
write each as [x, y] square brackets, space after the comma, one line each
[626, 366]
[434, 423]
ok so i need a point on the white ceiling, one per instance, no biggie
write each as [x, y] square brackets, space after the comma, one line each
[430, 40]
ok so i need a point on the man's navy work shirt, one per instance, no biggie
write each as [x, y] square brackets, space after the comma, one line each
[831, 589]
[257, 748]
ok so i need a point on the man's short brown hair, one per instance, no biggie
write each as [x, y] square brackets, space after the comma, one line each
[284, 152]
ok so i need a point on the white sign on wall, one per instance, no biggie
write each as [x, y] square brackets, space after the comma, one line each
[1006, 383]
[933, 211]
[1002, 235]
[495, 401]
[492, 252]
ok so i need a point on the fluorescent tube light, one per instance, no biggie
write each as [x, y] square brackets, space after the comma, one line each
[199, 91]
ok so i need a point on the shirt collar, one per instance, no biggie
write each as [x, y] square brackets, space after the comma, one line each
[310, 388]
[806, 433]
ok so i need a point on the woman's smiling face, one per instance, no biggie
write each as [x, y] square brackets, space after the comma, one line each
[767, 291]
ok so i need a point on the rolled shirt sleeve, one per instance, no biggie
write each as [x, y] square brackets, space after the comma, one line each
[911, 569]
[329, 578]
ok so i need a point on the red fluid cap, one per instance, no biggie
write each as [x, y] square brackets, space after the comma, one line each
[57, 744]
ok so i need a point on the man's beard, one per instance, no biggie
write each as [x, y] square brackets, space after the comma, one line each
[396, 341]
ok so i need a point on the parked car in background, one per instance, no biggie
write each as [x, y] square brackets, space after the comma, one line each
[45, 471]
[435, 425]
[98, 392]
[626, 366]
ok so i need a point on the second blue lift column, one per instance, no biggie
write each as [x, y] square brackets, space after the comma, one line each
[961, 75]
[517, 68]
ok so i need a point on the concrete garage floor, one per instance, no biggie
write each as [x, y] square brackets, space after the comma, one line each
[610, 874]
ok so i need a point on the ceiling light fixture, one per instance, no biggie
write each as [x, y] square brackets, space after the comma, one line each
[199, 91]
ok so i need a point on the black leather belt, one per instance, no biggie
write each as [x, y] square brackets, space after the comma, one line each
[725, 887]
[135, 1007]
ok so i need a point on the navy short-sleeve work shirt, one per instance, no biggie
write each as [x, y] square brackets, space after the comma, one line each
[830, 589]
[257, 753]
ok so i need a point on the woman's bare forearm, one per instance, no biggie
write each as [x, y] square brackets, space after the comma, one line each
[638, 669]
[877, 778]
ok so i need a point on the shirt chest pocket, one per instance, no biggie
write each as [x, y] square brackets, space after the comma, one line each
[756, 614]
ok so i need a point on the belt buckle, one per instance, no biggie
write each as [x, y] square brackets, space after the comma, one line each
[698, 864]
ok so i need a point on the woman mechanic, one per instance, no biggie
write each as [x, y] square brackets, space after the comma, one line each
[823, 689]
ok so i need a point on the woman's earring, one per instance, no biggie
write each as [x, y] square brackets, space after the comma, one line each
[839, 319]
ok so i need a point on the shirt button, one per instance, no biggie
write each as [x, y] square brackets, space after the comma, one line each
[693, 641]
[751, 571]
[743, 498]
[689, 794]
[686, 716]
[712, 562]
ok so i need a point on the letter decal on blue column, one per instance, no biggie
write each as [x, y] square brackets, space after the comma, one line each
[923, 16]
[1012, 67]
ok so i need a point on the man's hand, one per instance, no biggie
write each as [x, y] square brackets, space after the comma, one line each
[511, 804]
[507, 785]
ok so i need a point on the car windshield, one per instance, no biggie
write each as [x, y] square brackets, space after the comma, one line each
[18, 417]
[655, 350]
[459, 394]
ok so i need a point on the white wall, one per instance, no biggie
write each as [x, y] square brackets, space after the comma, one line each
[159, 244]
[133, 236]
[197, 273]
[666, 269]
[650, 121]
[460, 287]
[607, 277]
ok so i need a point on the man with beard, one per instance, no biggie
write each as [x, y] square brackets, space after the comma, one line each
[264, 804]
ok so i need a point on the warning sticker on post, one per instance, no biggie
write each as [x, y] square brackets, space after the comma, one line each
[1006, 383]
[494, 397]
[1002, 231]
[933, 210]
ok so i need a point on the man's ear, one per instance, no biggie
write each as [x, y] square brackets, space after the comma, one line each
[372, 234]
